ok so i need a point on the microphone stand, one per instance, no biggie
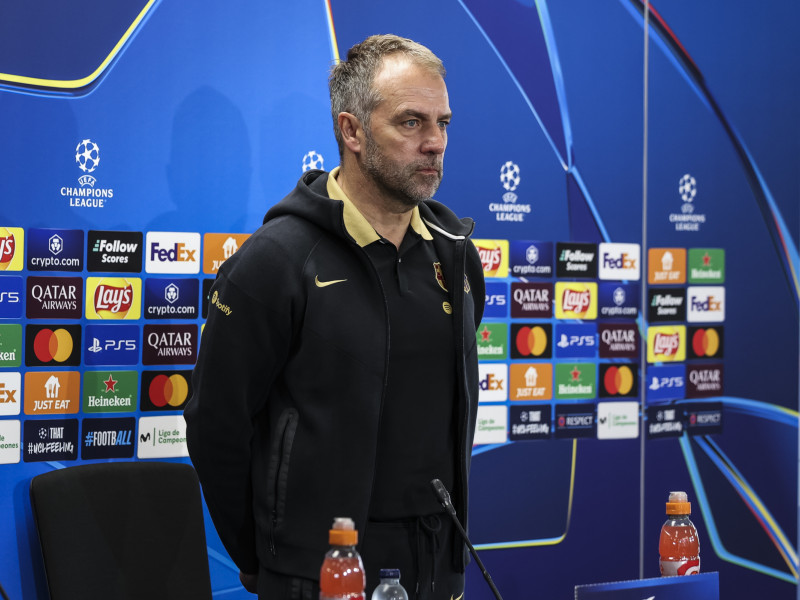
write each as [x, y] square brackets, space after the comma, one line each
[444, 497]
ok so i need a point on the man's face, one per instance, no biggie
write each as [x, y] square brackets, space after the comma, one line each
[407, 133]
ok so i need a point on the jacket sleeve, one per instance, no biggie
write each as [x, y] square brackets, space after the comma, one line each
[243, 347]
[474, 270]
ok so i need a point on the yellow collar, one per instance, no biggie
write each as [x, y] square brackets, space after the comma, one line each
[357, 225]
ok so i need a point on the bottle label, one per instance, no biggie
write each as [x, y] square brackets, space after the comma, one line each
[671, 568]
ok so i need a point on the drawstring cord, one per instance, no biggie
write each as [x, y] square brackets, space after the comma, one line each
[427, 527]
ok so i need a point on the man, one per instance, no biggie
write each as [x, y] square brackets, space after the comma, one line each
[337, 374]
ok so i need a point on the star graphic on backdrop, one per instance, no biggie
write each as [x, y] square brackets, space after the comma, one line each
[576, 374]
[706, 259]
[485, 334]
[110, 383]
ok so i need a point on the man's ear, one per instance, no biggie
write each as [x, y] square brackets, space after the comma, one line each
[352, 131]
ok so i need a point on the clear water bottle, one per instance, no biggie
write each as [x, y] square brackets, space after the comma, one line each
[678, 545]
[390, 588]
[342, 574]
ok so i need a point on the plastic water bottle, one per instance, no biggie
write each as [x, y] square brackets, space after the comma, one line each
[342, 574]
[390, 588]
[679, 546]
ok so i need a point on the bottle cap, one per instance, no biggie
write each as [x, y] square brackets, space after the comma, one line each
[343, 532]
[389, 574]
[678, 504]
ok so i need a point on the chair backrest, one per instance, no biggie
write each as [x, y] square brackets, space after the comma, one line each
[122, 530]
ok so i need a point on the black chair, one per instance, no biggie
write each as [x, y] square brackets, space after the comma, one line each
[122, 530]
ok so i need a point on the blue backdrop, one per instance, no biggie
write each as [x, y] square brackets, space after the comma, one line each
[127, 126]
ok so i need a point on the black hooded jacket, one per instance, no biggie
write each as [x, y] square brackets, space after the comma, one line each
[283, 421]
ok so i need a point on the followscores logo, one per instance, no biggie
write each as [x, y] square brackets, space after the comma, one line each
[115, 251]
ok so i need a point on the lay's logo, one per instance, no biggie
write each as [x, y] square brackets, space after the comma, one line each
[11, 241]
[666, 344]
[113, 298]
[494, 257]
[576, 300]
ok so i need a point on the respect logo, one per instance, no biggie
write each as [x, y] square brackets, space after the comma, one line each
[113, 298]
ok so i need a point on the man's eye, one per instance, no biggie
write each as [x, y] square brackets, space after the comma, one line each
[411, 123]
[444, 124]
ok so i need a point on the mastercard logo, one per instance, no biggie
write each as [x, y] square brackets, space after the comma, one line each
[169, 390]
[531, 341]
[706, 342]
[618, 381]
[49, 345]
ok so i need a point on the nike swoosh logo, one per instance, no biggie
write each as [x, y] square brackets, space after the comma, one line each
[322, 284]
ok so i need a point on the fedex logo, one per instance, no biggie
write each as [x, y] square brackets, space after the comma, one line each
[706, 304]
[492, 379]
[10, 386]
[172, 252]
[619, 261]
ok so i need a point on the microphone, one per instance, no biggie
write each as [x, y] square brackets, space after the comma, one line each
[444, 497]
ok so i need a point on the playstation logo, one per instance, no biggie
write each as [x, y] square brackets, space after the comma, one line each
[95, 347]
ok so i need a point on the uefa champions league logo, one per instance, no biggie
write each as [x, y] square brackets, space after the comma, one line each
[312, 160]
[509, 210]
[87, 155]
[509, 177]
[687, 188]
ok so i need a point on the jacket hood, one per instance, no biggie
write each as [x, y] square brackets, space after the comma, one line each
[309, 201]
